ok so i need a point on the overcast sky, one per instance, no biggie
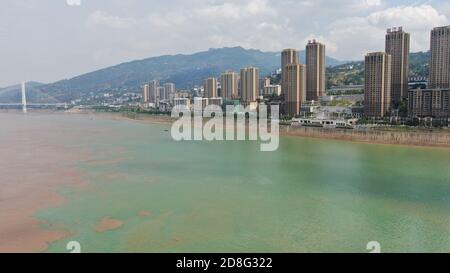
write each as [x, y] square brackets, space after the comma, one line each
[49, 40]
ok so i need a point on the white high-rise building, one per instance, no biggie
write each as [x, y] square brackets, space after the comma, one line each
[146, 93]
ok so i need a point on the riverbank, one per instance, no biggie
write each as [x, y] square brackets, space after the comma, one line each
[404, 137]
[389, 137]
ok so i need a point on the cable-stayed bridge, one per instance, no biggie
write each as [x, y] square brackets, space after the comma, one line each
[24, 104]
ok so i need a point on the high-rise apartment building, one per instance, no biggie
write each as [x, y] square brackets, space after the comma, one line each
[440, 58]
[169, 89]
[146, 93]
[249, 84]
[162, 94]
[295, 86]
[210, 88]
[433, 103]
[154, 91]
[229, 82]
[377, 84]
[288, 56]
[397, 45]
[315, 70]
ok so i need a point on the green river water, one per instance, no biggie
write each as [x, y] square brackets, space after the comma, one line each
[309, 196]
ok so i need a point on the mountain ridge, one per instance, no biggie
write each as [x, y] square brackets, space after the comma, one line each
[185, 70]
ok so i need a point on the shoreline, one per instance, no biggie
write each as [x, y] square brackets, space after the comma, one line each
[378, 137]
[409, 138]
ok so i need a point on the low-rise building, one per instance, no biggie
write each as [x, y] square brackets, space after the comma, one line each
[326, 123]
[215, 101]
[272, 90]
[182, 102]
[346, 89]
[200, 104]
[433, 103]
[263, 82]
[182, 94]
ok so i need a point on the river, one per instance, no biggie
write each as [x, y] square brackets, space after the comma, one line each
[128, 187]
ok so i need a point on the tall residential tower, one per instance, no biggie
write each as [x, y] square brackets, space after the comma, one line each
[249, 84]
[169, 88]
[440, 58]
[154, 96]
[288, 56]
[229, 82]
[315, 70]
[210, 88]
[397, 45]
[377, 84]
[295, 88]
[146, 93]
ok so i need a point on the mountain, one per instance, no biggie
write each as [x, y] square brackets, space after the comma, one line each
[353, 72]
[184, 70]
[419, 63]
[346, 74]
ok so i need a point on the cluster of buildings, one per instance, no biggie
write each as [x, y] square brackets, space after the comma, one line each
[244, 87]
[386, 86]
[158, 96]
[302, 82]
[386, 83]
[299, 83]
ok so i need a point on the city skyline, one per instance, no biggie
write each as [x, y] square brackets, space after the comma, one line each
[385, 84]
[96, 35]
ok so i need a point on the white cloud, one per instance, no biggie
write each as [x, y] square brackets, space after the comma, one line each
[335, 7]
[239, 10]
[106, 32]
[417, 18]
[104, 19]
[356, 36]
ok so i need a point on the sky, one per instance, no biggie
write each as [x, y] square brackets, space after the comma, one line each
[50, 40]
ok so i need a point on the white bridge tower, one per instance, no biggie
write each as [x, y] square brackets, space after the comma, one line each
[24, 98]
